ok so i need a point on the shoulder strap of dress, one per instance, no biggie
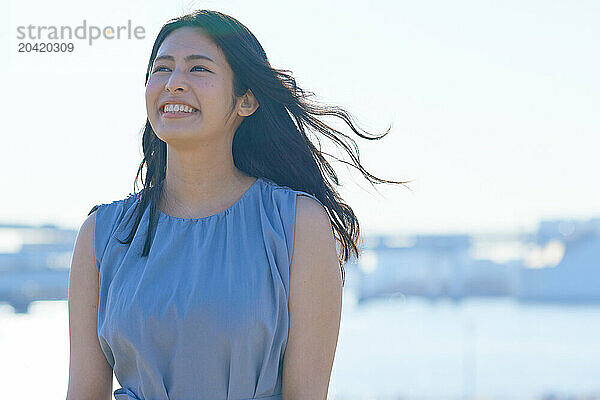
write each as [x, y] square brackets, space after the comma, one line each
[302, 193]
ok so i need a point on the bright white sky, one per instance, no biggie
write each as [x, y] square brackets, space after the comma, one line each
[493, 105]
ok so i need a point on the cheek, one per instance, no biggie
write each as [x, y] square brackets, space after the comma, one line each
[151, 93]
[151, 96]
[153, 88]
[213, 94]
[206, 86]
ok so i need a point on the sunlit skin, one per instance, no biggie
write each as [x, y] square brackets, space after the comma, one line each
[201, 178]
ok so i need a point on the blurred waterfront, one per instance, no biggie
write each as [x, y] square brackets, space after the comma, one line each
[389, 348]
[442, 317]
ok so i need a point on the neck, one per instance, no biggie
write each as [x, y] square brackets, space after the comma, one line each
[201, 184]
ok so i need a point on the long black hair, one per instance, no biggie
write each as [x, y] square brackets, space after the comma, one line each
[272, 142]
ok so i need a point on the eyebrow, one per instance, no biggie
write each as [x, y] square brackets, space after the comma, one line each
[187, 58]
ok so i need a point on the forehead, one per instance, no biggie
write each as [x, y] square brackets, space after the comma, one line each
[189, 40]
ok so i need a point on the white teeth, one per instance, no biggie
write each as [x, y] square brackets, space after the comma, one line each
[178, 108]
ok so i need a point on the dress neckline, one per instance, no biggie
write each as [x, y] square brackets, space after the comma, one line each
[221, 213]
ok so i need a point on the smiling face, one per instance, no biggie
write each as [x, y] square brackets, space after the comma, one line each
[189, 69]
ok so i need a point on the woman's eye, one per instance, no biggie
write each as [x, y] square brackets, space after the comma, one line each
[163, 67]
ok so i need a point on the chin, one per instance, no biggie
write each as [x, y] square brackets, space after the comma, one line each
[168, 135]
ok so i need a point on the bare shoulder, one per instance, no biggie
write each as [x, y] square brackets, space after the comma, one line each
[89, 224]
[314, 241]
[310, 207]
[84, 243]
[315, 302]
[90, 375]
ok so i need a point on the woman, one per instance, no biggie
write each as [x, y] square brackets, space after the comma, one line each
[220, 279]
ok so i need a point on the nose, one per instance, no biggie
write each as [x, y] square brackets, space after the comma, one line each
[176, 82]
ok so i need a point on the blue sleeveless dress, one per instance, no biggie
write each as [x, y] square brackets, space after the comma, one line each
[205, 315]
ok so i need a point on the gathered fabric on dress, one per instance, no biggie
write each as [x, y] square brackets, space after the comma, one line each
[205, 315]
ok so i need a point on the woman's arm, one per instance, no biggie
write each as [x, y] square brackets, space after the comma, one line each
[90, 375]
[315, 305]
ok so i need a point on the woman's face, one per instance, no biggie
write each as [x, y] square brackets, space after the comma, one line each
[181, 75]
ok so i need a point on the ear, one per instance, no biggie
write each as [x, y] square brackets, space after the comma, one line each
[248, 104]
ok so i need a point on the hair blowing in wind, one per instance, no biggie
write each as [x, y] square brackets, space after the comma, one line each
[272, 142]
